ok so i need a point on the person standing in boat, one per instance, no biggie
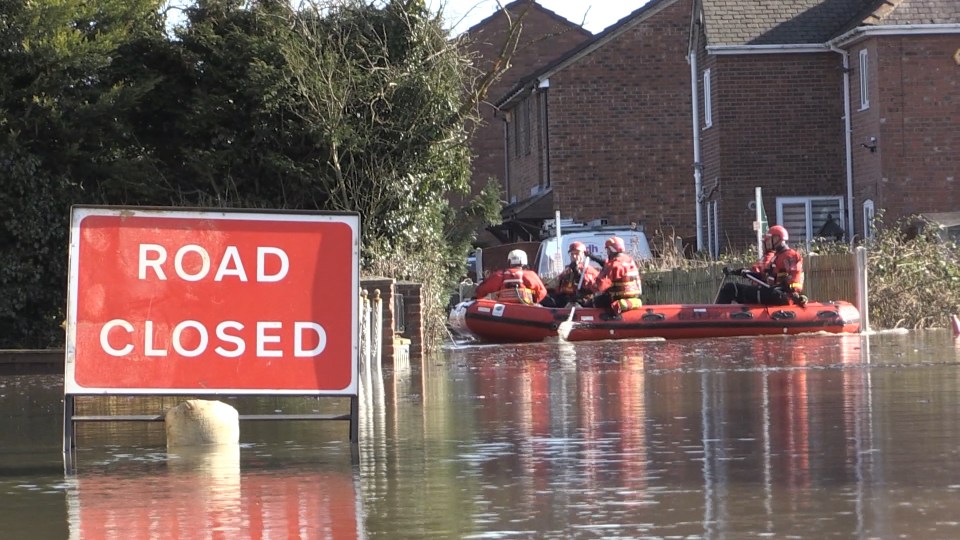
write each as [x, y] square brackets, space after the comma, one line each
[514, 285]
[778, 276]
[570, 286]
[617, 286]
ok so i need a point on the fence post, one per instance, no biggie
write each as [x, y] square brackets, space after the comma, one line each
[376, 328]
[863, 304]
[364, 331]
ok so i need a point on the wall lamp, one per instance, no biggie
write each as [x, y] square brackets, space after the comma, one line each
[870, 145]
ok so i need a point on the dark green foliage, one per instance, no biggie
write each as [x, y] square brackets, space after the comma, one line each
[33, 215]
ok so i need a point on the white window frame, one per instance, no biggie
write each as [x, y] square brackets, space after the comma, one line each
[868, 215]
[808, 216]
[864, 80]
[707, 100]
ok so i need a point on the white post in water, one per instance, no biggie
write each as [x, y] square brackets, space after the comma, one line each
[862, 302]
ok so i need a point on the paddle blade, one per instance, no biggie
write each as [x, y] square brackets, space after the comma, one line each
[563, 330]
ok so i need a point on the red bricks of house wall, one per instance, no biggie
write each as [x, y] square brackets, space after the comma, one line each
[914, 112]
[781, 117]
[865, 123]
[543, 39]
[620, 129]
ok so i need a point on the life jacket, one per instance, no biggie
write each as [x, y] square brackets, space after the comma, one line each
[626, 283]
[513, 290]
[787, 269]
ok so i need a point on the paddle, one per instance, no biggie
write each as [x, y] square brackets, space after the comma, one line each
[563, 330]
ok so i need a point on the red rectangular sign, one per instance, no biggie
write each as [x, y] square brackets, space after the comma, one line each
[202, 301]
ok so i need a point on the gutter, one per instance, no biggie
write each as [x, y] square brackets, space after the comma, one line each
[767, 49]
[862, 32]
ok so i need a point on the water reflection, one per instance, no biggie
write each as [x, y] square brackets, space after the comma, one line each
[201, 493]
[796, 436]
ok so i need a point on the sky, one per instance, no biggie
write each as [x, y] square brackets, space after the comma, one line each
[594, 15]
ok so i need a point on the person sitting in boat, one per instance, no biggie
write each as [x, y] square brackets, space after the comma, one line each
[575, 283]
[617, 286]
[778, 276]
[514, 285]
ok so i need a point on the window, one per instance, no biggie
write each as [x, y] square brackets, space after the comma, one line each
[707, 101]
[868, 216]
[864, 81]
[807, 218]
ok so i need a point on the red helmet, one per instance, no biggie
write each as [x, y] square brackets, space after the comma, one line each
[577, 246]
[778, 230]
[615, 244]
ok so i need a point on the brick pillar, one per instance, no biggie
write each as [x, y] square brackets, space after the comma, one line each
[413, 303]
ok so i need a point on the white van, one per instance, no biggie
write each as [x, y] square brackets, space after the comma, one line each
[553, 257]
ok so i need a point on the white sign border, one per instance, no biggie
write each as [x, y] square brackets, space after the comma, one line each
[80, 212]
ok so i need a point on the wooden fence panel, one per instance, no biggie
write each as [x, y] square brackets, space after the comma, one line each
[826, 277]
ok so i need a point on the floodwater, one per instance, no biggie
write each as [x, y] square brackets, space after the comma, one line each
[818, 436]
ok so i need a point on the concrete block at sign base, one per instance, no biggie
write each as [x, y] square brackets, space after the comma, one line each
[198, 422]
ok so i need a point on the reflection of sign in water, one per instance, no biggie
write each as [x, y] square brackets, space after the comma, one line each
[203, 301]
[216, 502]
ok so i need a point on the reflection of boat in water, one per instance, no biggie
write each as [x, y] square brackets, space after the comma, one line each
[490, 321]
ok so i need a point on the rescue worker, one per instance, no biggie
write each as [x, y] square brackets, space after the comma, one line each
[570, 287]
[779, 275]
[618, 283]
[514, 285]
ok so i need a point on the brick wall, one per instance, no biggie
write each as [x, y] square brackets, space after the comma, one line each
[544, 37]
[917, 94]
[779, 119]
[619, 128]
[413, 315]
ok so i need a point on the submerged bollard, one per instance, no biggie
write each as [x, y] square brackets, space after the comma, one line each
[198, 422]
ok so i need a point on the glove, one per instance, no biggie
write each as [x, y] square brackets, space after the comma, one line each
[799, 299]
[726, 271]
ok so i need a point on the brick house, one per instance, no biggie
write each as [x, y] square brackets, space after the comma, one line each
[604, 132]
[607, 130]
[543, 37]
[828, 105]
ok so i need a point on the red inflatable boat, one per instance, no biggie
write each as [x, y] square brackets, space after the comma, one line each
[493, 322]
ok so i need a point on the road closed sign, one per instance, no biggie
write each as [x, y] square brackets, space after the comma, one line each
[212, 301]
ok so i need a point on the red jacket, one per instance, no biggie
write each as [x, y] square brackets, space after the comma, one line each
[620, 277]
[513, 285]
[787, 269]
[569, 280]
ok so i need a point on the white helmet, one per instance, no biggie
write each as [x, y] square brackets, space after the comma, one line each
[517, 257]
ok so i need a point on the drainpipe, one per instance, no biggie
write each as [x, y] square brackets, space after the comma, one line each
[506, 157]
[848, 134]
[697, 166]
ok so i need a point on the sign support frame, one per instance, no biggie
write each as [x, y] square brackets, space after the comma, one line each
[205, 216]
